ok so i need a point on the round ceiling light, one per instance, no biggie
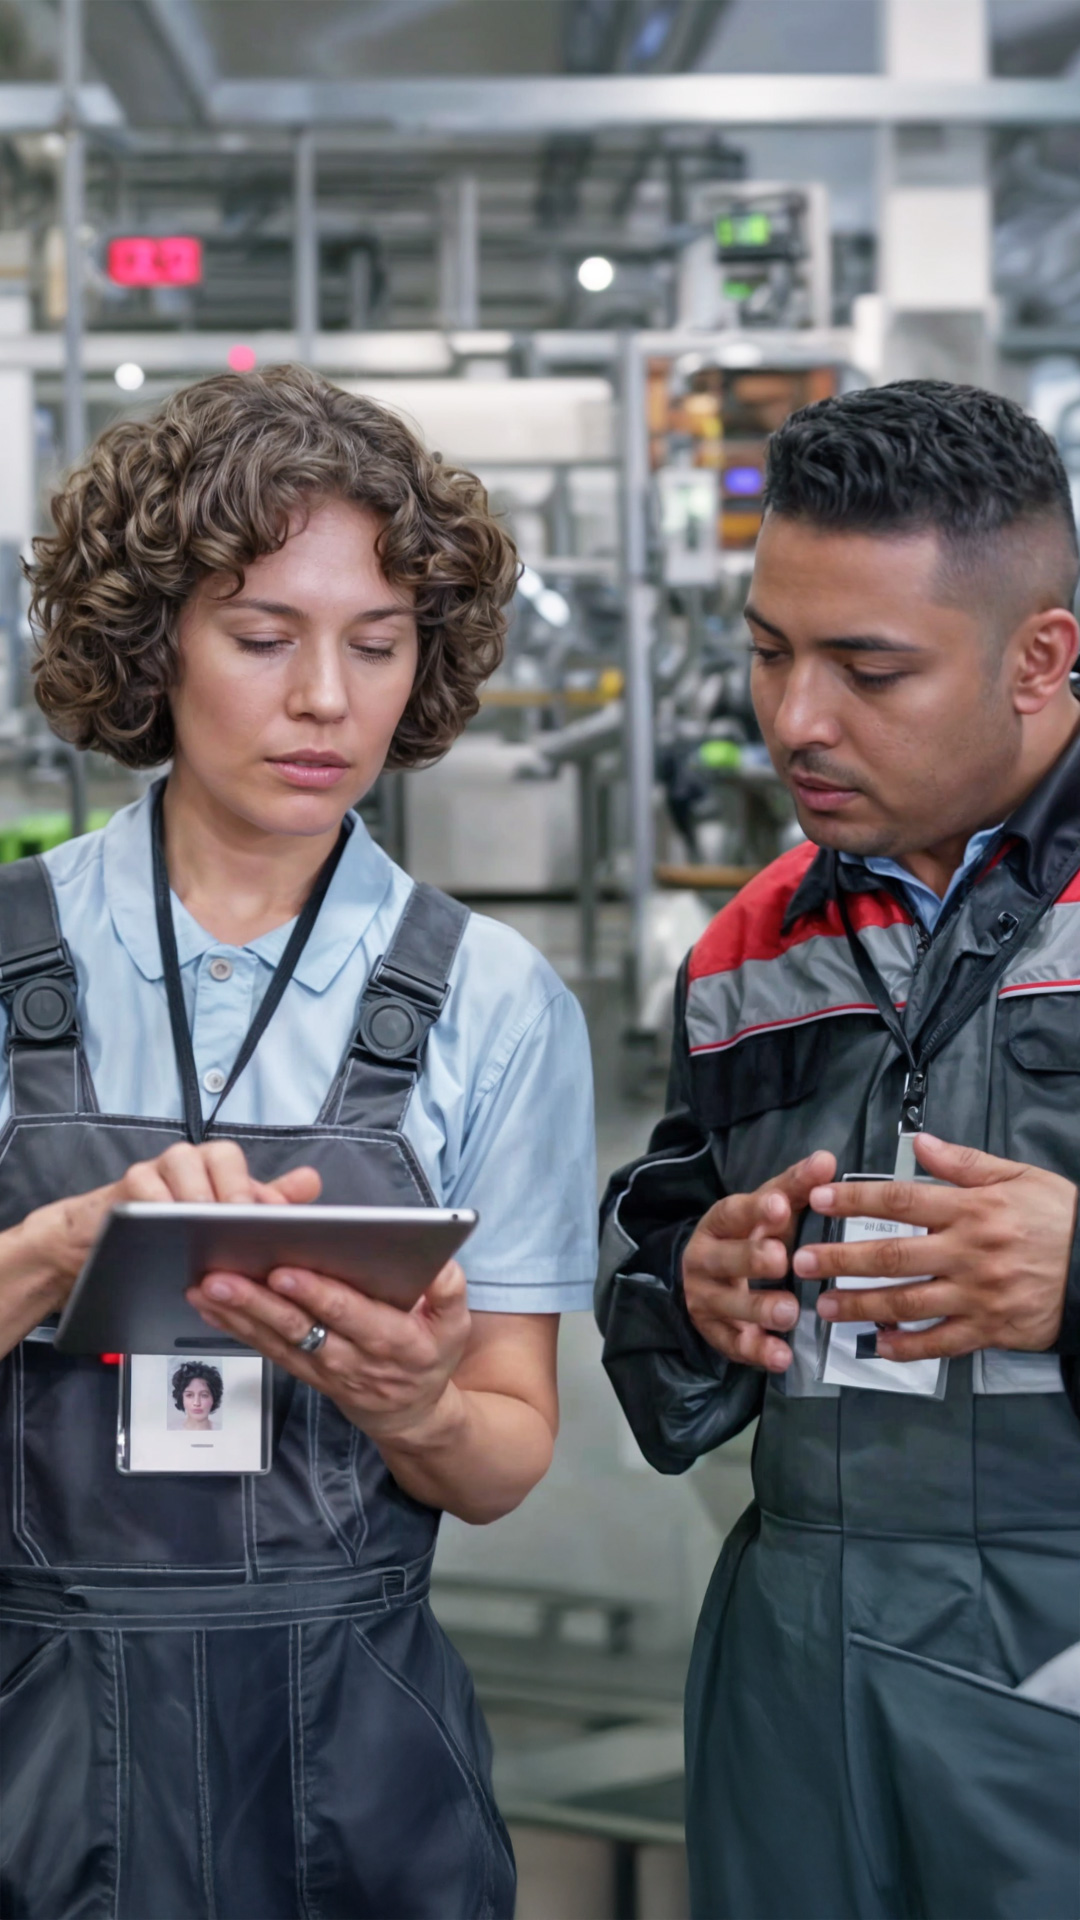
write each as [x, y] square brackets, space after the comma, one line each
[129, 377]
[596, 273]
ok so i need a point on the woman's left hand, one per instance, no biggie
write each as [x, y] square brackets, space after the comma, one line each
[387, 1370]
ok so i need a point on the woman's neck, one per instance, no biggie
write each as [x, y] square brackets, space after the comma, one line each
[235, 880]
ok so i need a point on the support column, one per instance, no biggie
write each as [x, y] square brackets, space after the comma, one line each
[305, 248]
[459, 253]
[73, 199]
[935, 211]
[639, 606]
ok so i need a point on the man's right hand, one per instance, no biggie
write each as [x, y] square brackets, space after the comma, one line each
[745, 1237]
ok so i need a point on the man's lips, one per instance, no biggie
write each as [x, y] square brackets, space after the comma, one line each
[821, 796]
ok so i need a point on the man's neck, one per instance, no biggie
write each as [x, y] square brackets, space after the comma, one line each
[936, 865]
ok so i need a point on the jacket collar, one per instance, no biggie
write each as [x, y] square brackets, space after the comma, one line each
[1041, 838]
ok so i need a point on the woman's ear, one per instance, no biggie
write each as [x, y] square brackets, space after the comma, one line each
[1044, 653]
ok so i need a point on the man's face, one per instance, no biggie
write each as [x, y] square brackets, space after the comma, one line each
[886, 710]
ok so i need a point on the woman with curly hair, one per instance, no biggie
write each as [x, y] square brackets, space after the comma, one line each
[197, 1390]
[226, 1696]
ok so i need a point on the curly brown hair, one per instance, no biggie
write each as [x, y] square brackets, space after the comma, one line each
[208, 484]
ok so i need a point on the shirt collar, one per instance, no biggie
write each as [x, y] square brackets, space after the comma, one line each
[360, 885]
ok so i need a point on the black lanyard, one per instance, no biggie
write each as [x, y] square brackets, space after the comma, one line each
[185, 1057]
[935, 1033]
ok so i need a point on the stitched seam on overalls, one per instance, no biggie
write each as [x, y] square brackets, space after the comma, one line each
[202, 1773]
[472, 1783]
[357, 1495]
[296, 1758]
[120, 1699]
[247, 1521]
[18, 1521]
[314, 1412]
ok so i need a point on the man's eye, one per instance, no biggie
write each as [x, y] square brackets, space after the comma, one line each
[766, 655]
[873, 682]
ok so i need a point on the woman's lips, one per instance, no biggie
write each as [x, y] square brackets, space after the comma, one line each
[318, 774]
[822, 799]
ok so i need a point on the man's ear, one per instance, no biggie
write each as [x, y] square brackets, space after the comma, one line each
[1043, 654]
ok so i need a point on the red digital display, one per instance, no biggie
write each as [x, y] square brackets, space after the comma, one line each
[140, 260]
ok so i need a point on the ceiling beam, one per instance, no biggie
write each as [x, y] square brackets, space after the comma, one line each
[565, 103]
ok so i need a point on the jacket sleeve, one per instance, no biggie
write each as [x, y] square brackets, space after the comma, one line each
[681, 1397]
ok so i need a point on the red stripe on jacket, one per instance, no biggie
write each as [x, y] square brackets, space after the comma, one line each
[750, 927]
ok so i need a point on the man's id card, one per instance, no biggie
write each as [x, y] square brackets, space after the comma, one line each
[205, 1413]
[849, 1358]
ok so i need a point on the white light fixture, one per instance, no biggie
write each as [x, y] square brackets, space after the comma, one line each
[550, 605]
[129, 377]
[596, 274]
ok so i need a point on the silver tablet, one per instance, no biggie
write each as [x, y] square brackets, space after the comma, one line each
[129, 1297]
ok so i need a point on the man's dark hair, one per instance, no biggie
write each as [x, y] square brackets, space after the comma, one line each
[918, 456]
[197, 1370]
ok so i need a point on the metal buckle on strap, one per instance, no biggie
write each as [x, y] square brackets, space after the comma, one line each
[27, 966]
[396, 1014]
[41, 989]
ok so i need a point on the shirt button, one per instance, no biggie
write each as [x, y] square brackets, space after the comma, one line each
[221, 969]
[214, 1080]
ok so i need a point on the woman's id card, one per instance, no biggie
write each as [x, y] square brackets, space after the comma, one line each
[205, 1413]
[850, 1354]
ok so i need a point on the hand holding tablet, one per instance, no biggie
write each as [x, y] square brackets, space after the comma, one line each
[131, 1295]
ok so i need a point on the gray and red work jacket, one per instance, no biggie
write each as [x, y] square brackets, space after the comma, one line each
[779, 1048]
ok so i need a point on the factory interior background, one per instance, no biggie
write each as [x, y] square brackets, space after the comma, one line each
[596, 250]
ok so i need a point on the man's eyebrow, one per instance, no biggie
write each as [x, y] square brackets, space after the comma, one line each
[282, 608]
[841, 643]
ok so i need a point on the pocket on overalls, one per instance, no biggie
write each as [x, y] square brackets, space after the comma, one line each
[59, 1713]
[397, 1816]
[967, 1794]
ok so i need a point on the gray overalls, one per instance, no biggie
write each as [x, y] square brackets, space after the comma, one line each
[224, 1698]
[856, 1746]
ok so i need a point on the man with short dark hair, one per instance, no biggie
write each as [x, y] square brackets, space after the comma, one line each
[865, 1737]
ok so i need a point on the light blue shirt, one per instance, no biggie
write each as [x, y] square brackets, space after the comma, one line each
[501, 1118]
[922, 899]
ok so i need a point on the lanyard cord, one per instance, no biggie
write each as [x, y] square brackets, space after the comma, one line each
[1012, 929]
[194, 1123]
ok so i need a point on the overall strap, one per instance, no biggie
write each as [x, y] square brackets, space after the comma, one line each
[398, 1008]
[47, 1069]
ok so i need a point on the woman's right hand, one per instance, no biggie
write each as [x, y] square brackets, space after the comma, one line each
[55, 1240]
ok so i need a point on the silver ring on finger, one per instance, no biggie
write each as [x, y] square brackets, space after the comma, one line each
[314, 1338]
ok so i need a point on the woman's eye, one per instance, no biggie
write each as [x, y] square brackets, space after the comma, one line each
[368, 652]
[249, 645]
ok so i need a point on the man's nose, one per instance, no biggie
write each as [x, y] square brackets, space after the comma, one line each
[806, 715]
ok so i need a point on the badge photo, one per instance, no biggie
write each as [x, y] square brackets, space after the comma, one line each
[184, 1413]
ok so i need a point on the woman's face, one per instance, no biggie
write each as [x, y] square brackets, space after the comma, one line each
[289, 693]
[198, 1401]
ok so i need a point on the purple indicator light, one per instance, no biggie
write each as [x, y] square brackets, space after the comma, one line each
[743, 480]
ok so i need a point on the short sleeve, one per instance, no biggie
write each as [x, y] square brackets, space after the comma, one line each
[528, 1165]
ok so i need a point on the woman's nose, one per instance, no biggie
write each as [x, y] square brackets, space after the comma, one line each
[318, 684]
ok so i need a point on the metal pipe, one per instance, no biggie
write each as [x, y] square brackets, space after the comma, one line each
[305, 248]
[638, 598]
[73, 194]
[459, 253]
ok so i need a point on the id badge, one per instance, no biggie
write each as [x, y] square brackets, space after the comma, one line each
[849, 1357]
[179, 1414]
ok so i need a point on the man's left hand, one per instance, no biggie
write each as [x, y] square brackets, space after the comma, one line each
[998, 1244]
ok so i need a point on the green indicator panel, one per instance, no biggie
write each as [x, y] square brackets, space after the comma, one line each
[744, 230]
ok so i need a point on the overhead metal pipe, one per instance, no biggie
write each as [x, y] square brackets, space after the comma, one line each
[73, 213]
[305, 247]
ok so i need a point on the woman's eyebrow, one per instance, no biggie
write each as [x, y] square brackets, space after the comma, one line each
[284, 611]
